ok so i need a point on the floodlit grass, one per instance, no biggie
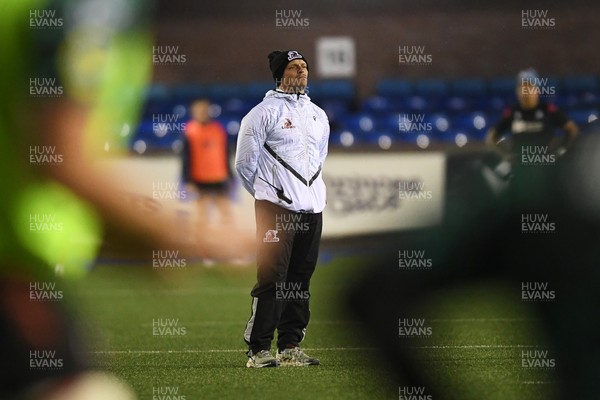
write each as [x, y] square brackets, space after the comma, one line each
[473, 353]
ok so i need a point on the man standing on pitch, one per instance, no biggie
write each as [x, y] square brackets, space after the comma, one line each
[206, 163]
[281, 147]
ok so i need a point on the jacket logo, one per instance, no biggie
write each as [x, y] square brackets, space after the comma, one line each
[314, 117]
[287, 124]
[271, 236]
[293, 54]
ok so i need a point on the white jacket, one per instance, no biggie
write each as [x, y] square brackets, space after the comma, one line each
[281, 148]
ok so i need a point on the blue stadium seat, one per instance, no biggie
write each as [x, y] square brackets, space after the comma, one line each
[389, 122]
[360, 123]
[444, 137]
[154, 137]
[332, 89]
[336, 110]
[382, 140]
[222, 92]
[457, 137]
[580, 84]
[567, 101]
[555, 83]
[416, 122]
[256, 91]
[343, 139]
[185, 93]
[237, 106]
[495, 103]
[158, 92]
[432, 87]
[588, 100]
[457, 103]
[439, 122]
[502, 86]
[584, 117]
[474, 124]
[394, 87]
[157, 99]
[154, 107]
[231, 123]
[378, 105]
[419, 103]
[468, 87]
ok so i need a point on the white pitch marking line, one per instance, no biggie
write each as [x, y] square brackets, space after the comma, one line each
[215, 350]
[342, 322]
[480, 346]
[237, 322]
[480, 319]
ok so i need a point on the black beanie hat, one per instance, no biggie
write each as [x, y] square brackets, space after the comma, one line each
[278, 60]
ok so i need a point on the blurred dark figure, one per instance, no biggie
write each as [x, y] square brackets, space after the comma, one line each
[73, 77]
[493, 246]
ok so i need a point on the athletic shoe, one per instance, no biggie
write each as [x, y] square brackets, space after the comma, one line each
[262, 359]
[295, 357]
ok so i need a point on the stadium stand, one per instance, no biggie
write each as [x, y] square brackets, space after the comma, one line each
[455, 112]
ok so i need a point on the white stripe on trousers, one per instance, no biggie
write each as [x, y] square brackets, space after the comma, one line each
[250, 323]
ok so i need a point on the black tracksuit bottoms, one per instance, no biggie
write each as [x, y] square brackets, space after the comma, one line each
[288, 248]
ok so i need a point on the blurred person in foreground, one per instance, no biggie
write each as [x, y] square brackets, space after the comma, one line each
[532, 122]
[499, 244]
[282, 145]
[206, 163]
[65, 72]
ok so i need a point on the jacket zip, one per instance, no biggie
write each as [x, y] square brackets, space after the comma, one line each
[305, 140]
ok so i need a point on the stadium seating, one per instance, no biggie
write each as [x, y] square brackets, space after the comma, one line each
[459, 112]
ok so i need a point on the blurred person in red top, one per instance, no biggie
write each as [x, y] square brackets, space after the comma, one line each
[206, 167]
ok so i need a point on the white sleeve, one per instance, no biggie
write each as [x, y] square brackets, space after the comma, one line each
[325, 141]
[251, 138]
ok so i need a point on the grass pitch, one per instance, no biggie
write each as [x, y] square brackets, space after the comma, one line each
[474, 352]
